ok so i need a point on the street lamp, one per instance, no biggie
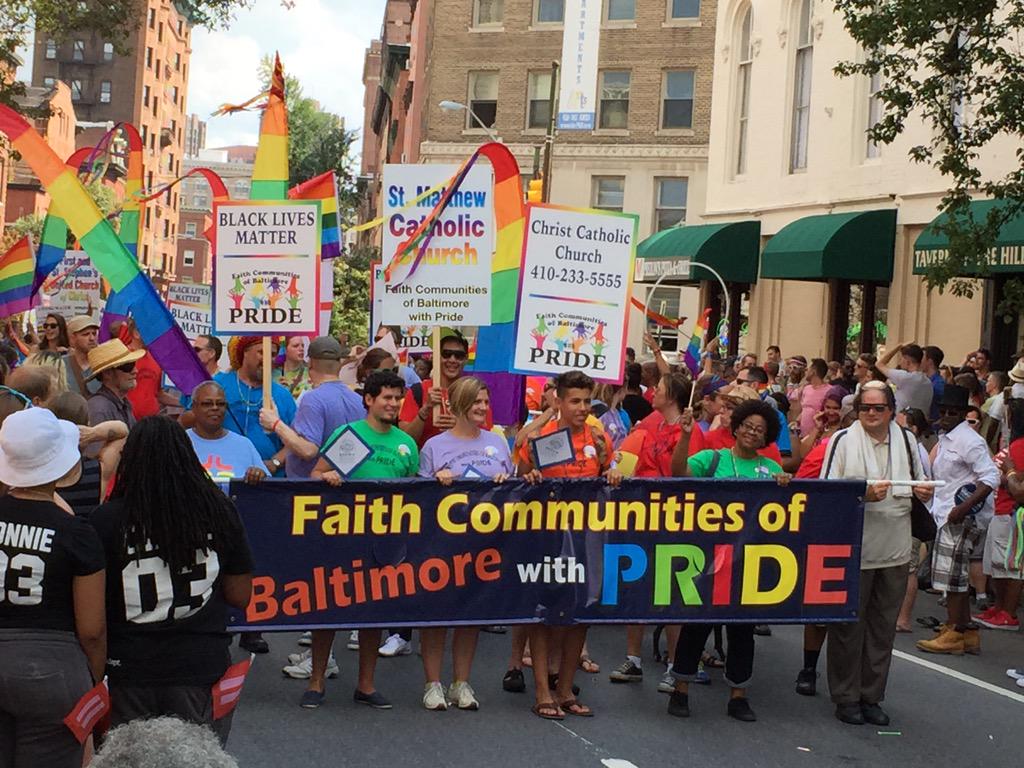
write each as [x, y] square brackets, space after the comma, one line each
[455, 106]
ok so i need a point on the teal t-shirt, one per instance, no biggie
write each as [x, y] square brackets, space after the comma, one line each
[731, 466]
[394, 452]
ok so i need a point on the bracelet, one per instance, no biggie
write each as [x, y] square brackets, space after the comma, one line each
[274, 428]
[420, 416]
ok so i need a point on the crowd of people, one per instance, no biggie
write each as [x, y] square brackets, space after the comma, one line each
[121, 552]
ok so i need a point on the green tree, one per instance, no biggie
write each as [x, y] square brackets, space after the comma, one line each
[958, 67]
[115, 20]
[352, 294]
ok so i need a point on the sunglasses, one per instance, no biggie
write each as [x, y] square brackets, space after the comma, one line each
[868, 408]
[973, 422]
[197, 350]
[453, 354]
[50, 326]
[126, 367]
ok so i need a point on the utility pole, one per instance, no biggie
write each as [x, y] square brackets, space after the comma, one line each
[549, 140]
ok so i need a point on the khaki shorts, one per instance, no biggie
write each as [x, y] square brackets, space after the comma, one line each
[997, 547]
[954, 544]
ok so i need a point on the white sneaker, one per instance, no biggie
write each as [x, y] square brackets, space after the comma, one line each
[667, 684]
[463, 696]
[304, 669]
[433, 696]
[298, 658]
[395, 645]
[353, 640]
[1016, 674]
[306, 639]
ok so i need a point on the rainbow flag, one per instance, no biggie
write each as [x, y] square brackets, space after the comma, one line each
[323, 188]
[700, 328]
[17, 269]
[117, 306]
[270, 170]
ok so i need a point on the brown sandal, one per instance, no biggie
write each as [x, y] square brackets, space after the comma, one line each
[548, 710]
[576, 708]
[589, 666]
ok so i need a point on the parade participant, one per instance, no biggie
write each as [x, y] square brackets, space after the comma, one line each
[327, 406]
[826, 421]
[411, 375]
[54, 334]
[711, 402]
[773, 354]
[375, 359]
[930, 367]
[633, 401]
[724, 436]
[650, 373]
[593, 458]
[168, 524]
[146, 396]
[293, 374]
[208, 349]
[52, 633]
[417, 416]
[113, 364]
[796, 369]
[394, 455]
[962, 460]
[753, 424]
[756, 378]
[465, 450]
[812, 394]
[225, 455]
[82, 333]
[243, 387]
[36, 382]
[52, 361]
[913, 386]
[877, 450]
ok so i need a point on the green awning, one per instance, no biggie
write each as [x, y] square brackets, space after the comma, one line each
[844, 246]
[729, 249]
[1007, 255]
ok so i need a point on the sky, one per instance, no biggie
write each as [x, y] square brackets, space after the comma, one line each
[322, 42]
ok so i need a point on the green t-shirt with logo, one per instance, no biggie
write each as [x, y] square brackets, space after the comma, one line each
[731, 466]
[394, 452]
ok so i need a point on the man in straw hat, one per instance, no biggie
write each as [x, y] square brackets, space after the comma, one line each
[113, 365]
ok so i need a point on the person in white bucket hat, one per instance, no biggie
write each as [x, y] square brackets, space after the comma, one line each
[53, 625]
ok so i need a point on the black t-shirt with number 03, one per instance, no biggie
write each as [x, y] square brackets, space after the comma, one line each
[165, 628]
[42, 550]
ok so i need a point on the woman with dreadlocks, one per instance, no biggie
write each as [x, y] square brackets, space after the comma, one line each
[177, 557]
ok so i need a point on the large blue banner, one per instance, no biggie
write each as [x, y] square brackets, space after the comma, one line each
[412, 552]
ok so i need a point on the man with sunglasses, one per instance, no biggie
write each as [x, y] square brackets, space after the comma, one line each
[208, 349]
[417, 416]
[113, 364]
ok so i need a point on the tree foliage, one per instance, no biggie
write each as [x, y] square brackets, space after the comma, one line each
[351, 315]
[958, 66]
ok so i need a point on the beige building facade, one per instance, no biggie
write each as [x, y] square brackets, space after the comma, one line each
[788, 141]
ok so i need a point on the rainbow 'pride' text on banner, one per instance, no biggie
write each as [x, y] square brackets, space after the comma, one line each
[412, 552]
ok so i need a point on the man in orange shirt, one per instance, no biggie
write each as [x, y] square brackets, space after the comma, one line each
[592, 451]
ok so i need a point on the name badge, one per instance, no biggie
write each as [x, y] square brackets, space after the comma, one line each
[553, 450]
[348, 452]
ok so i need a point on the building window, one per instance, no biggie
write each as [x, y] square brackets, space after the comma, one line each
[179, 27]
[78, 51]
[149, 58]
[802, 89]
[167, 228]
[677, 100]
[874, 112]
[108, 51]
[670, 206]
[685, 9]
[614, 110]
[539, 107]
[76, 90]
[160, 33]
[549, 11]
[177, 62]
[488, 12]
[620, 10]
[51, 49]
[201, 200]
[152, 17]
[608, 193]
[483, 99]
[49, 82]
[174, 94]
[105, 92]
[241, 188]
[746, 59]
[188, 258]
[190, 229]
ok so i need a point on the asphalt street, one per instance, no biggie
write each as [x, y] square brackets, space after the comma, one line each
[944, 710]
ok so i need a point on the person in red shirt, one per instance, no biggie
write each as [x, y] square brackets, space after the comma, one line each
[147, 396]
[417, 416]
[592, 458]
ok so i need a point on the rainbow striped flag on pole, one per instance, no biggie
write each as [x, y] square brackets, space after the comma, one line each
[17, 270]
[700, 328]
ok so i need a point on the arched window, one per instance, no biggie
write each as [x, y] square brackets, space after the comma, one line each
[801, 88]
[744, 59]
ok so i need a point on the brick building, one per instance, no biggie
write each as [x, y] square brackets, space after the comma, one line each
[234, 166]
[648, 154]
[195, 135]
[146, 88]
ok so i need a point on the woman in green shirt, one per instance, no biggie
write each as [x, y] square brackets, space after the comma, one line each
[754, 424]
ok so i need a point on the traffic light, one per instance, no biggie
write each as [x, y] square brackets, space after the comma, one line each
[535, 191]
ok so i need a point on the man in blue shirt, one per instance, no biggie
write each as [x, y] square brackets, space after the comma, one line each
[933, 357]
[243, 390]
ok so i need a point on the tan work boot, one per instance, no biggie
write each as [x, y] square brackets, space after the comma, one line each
[949, 642]
[972, 641]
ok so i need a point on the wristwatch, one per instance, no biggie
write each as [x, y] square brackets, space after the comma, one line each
[276, 462]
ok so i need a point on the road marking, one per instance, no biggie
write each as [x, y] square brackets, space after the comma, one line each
[615, 762]
[1014, 696]
[573, 733]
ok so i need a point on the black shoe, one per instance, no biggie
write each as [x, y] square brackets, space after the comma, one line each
[850, 714]
[627, 672]
[513, 681]
[763, 630]
[679, 704]
[253, 642]
[740, 709]
[807, 682]
[874, 714]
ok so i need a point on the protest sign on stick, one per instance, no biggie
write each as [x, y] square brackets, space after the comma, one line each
[190, 305]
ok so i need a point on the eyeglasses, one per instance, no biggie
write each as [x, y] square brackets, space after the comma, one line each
[126, 367]
[752, 429]
[870, 408]
[450, 354]
[197, 350]
[50, 326]
[213, 403]
[25, 399]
